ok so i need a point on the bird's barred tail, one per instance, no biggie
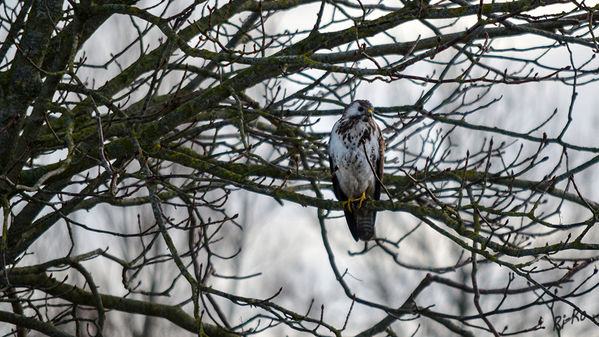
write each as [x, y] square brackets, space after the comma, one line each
[361, 223]
[365, 225]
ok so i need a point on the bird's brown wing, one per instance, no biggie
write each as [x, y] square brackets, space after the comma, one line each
[352, 223]
[336, 187]
[379, 166]
[349, 216]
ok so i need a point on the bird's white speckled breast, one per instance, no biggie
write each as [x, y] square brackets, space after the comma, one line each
[354, 172]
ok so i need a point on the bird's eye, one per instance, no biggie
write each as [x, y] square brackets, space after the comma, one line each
[361, 109]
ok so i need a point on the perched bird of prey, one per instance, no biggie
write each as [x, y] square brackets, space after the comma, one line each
[356, 156]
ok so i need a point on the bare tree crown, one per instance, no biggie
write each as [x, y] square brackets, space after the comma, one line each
[164, 167]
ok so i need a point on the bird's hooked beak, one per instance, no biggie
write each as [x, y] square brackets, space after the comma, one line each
[367, 115]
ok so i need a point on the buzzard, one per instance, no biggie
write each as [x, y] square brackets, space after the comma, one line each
[356, 156]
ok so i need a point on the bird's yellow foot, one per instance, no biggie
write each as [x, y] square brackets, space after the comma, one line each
[348, 202]
[362, 198]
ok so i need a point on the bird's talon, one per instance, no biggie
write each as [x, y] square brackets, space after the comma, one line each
[362, 198]
[350, 200]
[347, 203]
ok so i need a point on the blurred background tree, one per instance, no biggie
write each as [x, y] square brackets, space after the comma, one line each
[164, 168]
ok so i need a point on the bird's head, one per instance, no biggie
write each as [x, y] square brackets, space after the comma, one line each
[359, 109]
